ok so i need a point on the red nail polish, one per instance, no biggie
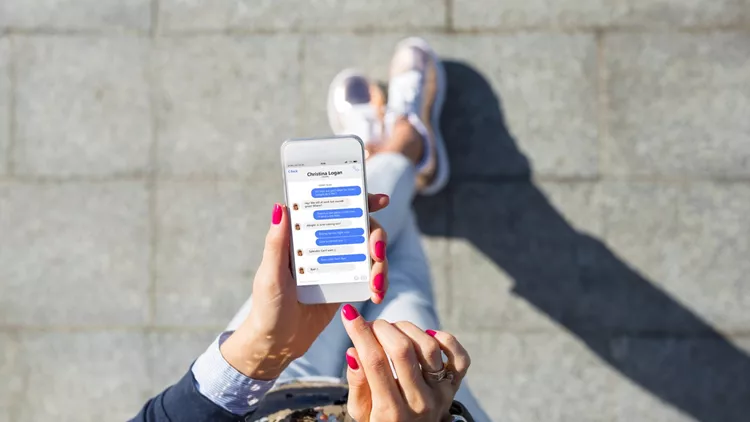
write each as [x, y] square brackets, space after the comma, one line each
[380, 249]
[276, 216]
[352, 362]
[349, 312]
[380, 295]
[378, 282]
[431, 332]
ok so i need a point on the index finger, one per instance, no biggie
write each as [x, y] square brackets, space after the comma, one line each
[371, 355]
[377, 201]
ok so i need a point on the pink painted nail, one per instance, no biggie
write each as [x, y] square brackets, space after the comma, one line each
[352, 362]
[276, 216]
[349, 312]
[380, 295]
[380, 249]
[431, 332]
[378, 282]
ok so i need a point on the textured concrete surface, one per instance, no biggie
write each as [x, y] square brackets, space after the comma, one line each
[72, 118]
[590, 250]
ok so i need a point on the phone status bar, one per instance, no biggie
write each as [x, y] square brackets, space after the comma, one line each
[323, 163]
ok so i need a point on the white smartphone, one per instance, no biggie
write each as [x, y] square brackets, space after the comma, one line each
[326, 192]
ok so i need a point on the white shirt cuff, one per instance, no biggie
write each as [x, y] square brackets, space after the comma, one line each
[226, 387]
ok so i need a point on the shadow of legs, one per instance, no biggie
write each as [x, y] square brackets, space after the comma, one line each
[573, 278]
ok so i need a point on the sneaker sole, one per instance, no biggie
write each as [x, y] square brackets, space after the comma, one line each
[442, 173]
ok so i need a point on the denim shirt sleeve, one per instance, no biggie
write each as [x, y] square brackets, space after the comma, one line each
[226, 387]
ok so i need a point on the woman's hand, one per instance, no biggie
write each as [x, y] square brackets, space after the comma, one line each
[280, 329]
[374, 394]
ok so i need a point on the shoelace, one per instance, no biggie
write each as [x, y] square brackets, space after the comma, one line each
[403, 97]
[404, 92]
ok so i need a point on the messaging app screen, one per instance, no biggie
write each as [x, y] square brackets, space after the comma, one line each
[326, 205]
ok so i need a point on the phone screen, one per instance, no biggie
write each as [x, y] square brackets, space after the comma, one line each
[330, 228]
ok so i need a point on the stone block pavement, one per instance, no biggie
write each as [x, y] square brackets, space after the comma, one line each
[591, 249]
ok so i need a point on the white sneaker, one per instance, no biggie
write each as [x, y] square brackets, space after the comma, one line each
[416, 90]
[351, 110]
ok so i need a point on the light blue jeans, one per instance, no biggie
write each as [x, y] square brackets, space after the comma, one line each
[409, 297]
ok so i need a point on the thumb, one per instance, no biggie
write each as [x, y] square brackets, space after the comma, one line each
[359, 404]
[276, 250]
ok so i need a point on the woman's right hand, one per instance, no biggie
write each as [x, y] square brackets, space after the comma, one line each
[375, 395]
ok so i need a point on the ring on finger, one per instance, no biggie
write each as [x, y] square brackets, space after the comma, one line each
[439, 376]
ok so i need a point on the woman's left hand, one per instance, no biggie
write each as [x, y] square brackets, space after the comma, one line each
[279, 328]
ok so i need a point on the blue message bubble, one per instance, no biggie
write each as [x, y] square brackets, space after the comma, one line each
[350, 240]
[338, 191]
[336, 214]
[339, 233]
[337, 259]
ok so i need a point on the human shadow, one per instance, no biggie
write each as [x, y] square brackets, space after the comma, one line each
[574, 278]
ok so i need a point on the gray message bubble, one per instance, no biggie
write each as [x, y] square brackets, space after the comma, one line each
[327, 224]
[327, 203]
[331, 268]
[330, 250]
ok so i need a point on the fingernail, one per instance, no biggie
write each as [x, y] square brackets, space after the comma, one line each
[349, 312]
[352, 362]
[380, 295]
[431, 332]
[276, 216]
[378, 282]
[380, 249]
